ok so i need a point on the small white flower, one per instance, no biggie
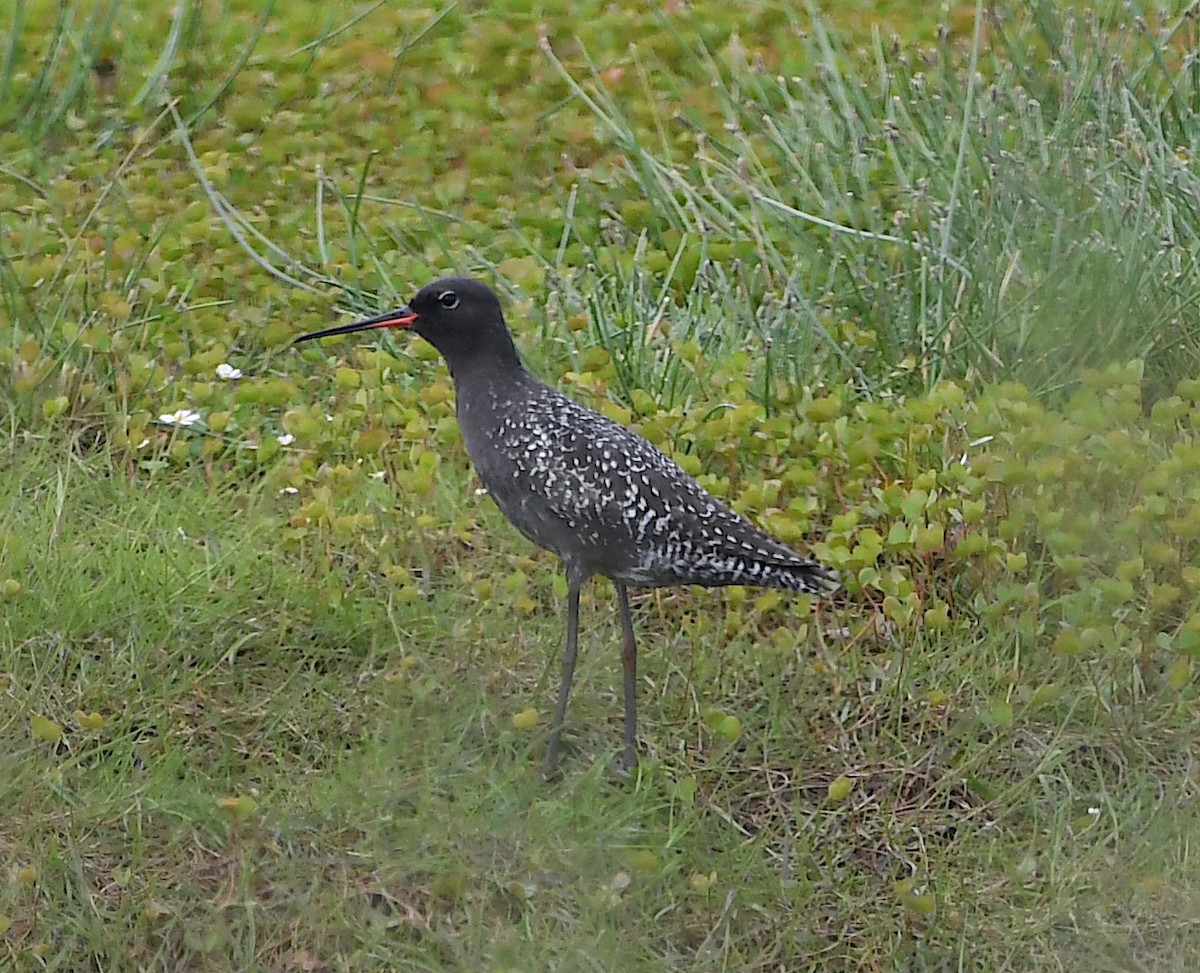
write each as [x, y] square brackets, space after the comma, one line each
[143, 444]
[286, 439]
[288, 490]
[379, 474]
[184, 417]
[481, 492]
[1094, 812]
[228, 372]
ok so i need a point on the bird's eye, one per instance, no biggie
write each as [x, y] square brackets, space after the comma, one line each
[448, 300]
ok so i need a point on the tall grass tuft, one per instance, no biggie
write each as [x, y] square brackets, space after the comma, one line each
[1017, 205]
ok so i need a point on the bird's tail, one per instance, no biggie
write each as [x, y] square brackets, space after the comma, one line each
[794, 573]
[803, 575]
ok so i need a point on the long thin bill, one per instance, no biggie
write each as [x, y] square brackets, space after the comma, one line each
[403, 318]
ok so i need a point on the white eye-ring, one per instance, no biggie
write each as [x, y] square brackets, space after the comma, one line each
[448, 300]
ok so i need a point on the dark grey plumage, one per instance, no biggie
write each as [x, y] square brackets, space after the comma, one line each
[603, 498]
[599, 496]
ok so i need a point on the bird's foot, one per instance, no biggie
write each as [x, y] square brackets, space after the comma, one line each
[553, 753]
[626, 764]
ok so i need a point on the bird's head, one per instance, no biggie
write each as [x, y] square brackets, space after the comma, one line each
[459, 316]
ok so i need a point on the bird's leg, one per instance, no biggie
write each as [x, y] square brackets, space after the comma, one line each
[629, 664]
[570, 651]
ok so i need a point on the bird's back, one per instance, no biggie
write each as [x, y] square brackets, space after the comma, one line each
[608, 502]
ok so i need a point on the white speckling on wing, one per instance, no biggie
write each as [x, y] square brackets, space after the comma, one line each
[600, 496]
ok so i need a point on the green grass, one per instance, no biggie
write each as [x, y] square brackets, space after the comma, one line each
[1004, 209]
[274, 687]
[397, 816]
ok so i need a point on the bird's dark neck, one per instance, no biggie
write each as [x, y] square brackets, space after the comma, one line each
[486, 391]
[495, 359]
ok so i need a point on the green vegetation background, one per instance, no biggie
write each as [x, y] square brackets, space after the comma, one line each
[914, 288]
